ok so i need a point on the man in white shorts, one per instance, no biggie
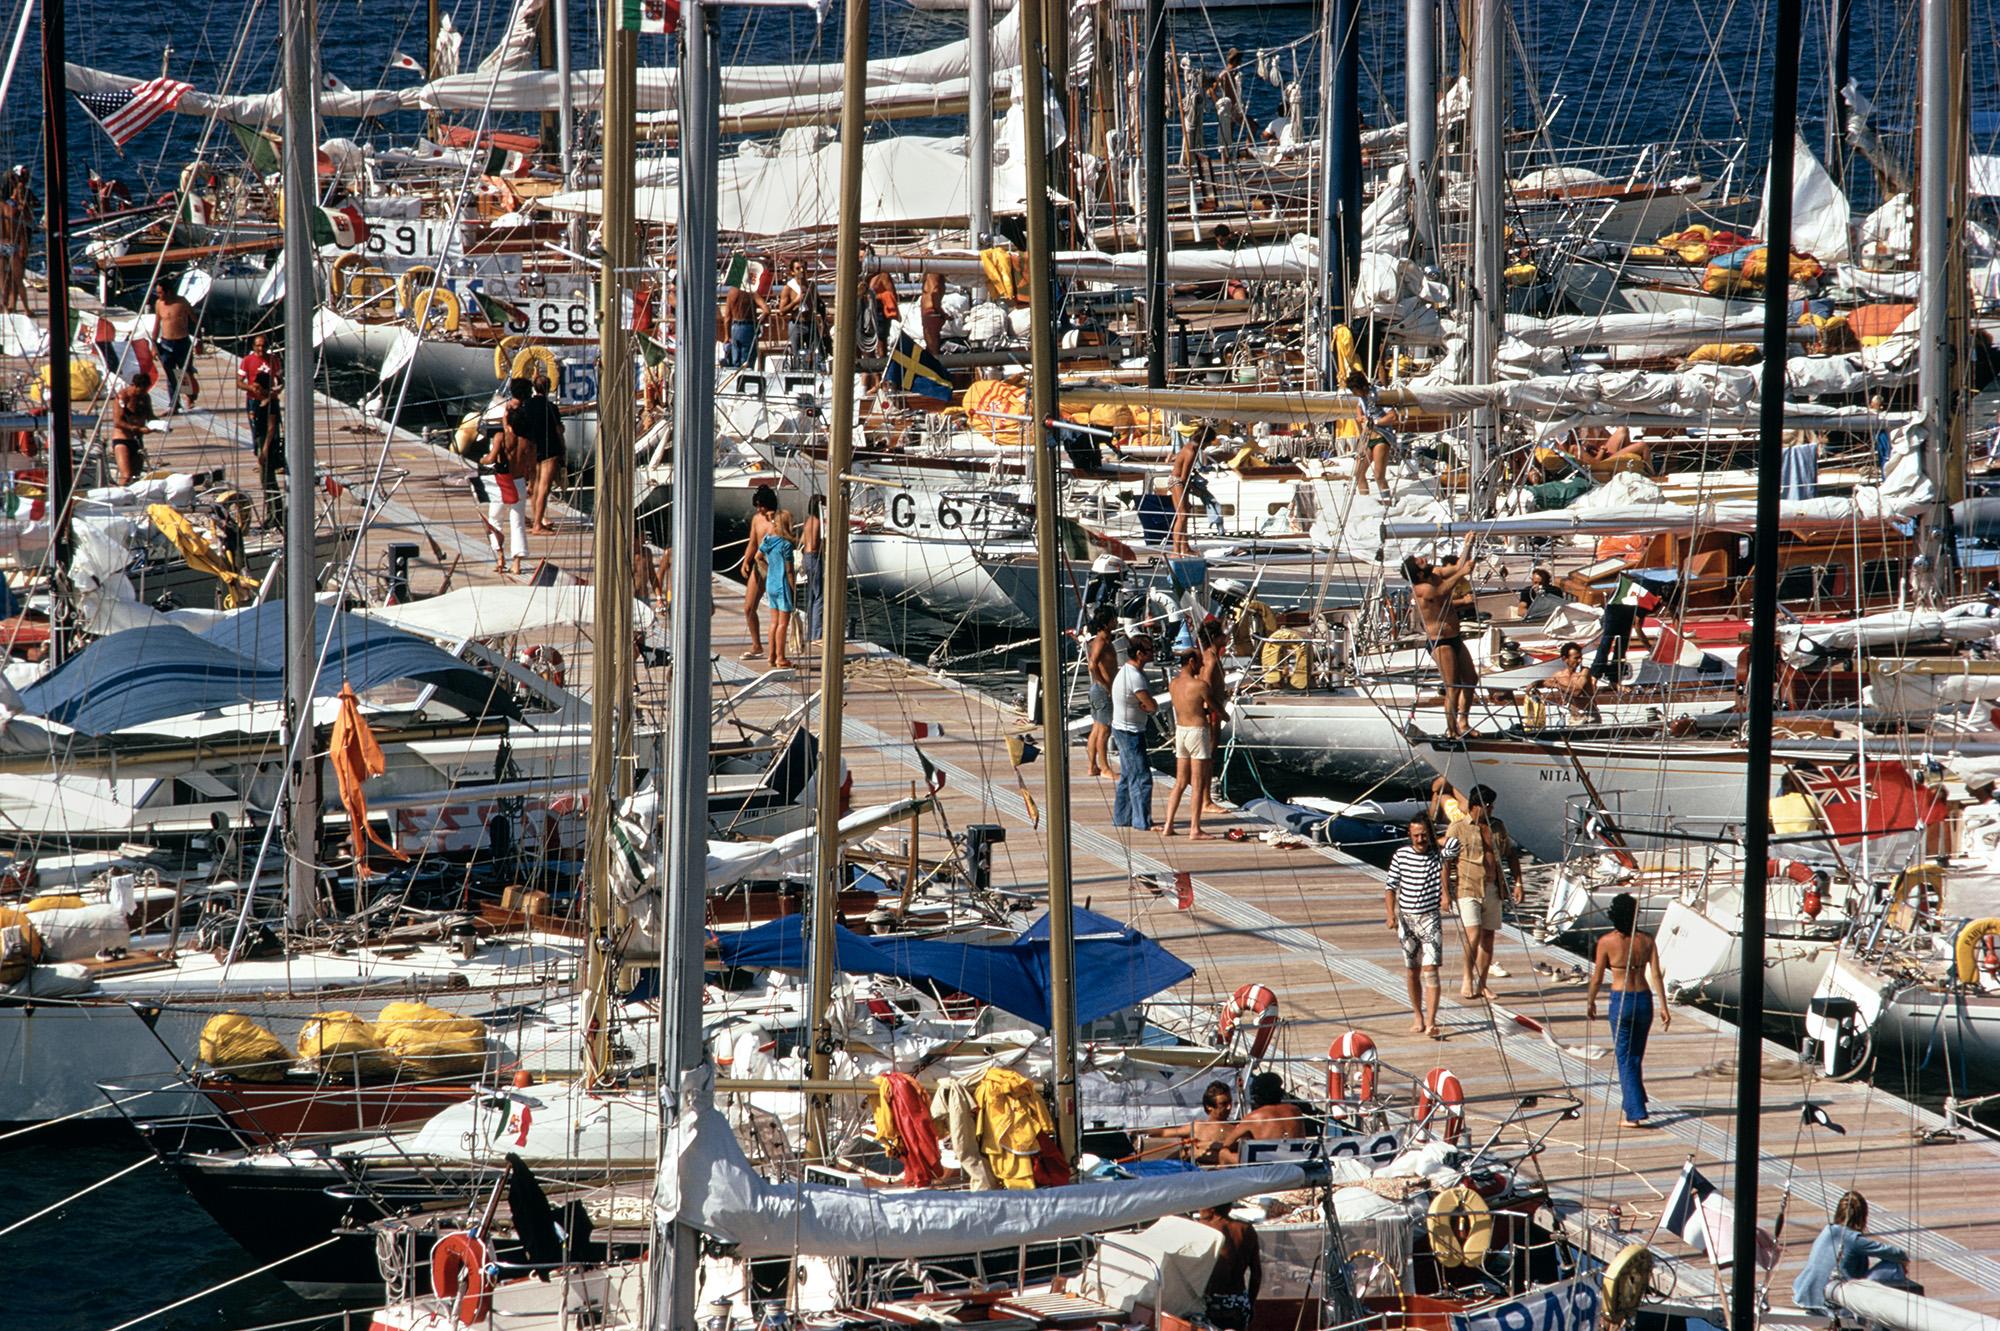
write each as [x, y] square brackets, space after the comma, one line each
[1413, 898]
[1192, 754]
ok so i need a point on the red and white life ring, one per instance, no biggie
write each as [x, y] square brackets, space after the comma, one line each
[880, 1008]
[1799, 873]
[459, 1264]
[1441, 1105]
[1352, 1064]
[1256, 1007]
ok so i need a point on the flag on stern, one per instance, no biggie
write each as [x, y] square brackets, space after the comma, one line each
[649, 15]
[914, 370]
[1888, 800]
[1630, 591]
[1703, 1218]
[123, 113]
[342, 227]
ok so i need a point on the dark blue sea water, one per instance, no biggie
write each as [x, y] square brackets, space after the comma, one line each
[1674, 74]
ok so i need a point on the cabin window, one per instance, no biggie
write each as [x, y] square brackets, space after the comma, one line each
[1810, 582]
[1879, 578]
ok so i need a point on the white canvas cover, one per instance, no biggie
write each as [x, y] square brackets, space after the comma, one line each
[1165, 1266]
[498, 612]
[711, 1185]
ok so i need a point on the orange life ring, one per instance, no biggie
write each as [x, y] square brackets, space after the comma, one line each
[1441, 1104]
[1257, 1008]
[458, 1275]
[1351, 1054]
[1799, 873]
[545, 661]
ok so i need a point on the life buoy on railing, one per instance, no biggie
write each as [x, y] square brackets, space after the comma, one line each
[1255, 1008]
[545, 661]
[1351, 1070]
[337, 275]
[1460, 1227]
[420, 312]
[414, 279]
[1441, 1105]
[530, 356]
[503, 352]
[459, 1265]
[1973, 940]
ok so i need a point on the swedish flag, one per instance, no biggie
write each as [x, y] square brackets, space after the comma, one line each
[914, 370]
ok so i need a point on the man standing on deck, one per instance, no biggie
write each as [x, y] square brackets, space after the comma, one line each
[1132, 707]
[1412, 897]
[742, 310]
[1101, 656]
[1477, 853]
[1195, 437]
[173, 338]
[1210, 638]
[532, 416]
[1238, 1273]
[1431, 589]
[259, 358]
[1192, 754]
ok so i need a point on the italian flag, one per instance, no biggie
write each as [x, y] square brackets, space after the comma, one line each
[1634, 593]
[342, 227]
[649, 15]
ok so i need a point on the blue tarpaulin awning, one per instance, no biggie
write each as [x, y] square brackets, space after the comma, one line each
[1116, 965]
[149, 674]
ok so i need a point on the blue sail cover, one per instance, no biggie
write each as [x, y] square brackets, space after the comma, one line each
[1116, 965]
[149, 674]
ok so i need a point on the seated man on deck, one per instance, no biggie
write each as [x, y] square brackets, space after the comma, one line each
[1272, 1117]
[1201, 1140]
[1573, 686]
[1842, 1251]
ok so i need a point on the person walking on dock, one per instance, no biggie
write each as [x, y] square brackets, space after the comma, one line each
[1477, 855]
[532, 417]
[131, 412]
[267, 440]
[1132, 706]
[1192, 753]
[1633, 963]
[1413, 899]
[513, 469]
[1101, 657]
[776, 549]
[810, 537]
[173, 338]
[763, 511]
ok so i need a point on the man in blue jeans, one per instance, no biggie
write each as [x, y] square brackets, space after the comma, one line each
[1132, 707]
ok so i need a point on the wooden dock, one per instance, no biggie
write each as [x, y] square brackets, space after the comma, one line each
[1306, 921]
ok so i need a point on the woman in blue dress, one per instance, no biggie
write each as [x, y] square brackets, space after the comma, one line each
[776, 548]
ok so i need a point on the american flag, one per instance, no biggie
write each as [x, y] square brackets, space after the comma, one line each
[124, 113]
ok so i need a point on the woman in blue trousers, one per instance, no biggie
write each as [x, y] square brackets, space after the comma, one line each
[1633, 963]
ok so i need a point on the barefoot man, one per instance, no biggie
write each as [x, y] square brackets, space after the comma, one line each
[1431, 588]
[1413, 898]
[1192, 753]
[1103, 662]
[173, 338]
[1476, 847]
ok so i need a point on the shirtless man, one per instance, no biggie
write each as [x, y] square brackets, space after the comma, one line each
[1238, 1273]
[1272, 1118]
[1192, 754]
[1102, 659]
[742, 309]
[1431, 588]
[1573, 686]
[1210, 638]
[764, 509]
[1633, 963]
[1202, 1139]
[12, 213]
[173, 338]
[130, 413]
[1184, 482]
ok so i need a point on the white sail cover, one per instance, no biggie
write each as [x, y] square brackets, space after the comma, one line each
[1819, 209]
[500, 612]
[712, 1186]
[1883, 1305]
[1972, 622]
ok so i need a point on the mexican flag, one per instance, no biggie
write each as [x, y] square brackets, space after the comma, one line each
[342, 227]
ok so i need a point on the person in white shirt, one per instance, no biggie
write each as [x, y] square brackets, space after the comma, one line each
[1132, 707]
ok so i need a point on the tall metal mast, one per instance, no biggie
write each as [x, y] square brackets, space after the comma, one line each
[1941, 296]
[833, 540]
[978, 119]
[1048, 584]
[1489, 184]
[302, 803]
[1420, 81]
[55, 179]
[1763, 665]
[1153, 215]
[677, 1253]
[565, 102]
[1340, 186]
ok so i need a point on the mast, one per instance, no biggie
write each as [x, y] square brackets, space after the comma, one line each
[612, 528]
[978, 127]
[1420, 82]
[302, 791]
[55, 180]
[1340, 184]
[1489, 183]
[1763, 681]
[1153, 216]
[1048, 586]
[1839, 44]
[1941, 261]
[833, 538]
[677, 1256]
[565, 103]
[545, 58]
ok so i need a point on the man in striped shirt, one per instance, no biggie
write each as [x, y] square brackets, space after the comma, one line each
[1413, 901]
